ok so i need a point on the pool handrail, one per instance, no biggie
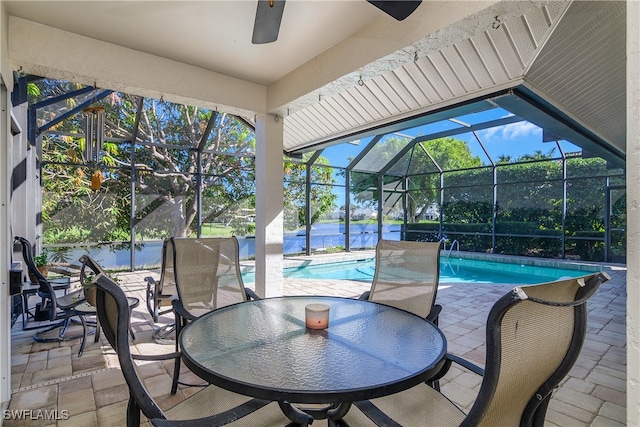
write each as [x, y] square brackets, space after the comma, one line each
[455, 243]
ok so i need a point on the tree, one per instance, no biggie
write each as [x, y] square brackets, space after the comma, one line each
[422, 164]
[322, 196]
[178, 139]
[169, 140]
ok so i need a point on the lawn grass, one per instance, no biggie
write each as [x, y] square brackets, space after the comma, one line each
[216, 230]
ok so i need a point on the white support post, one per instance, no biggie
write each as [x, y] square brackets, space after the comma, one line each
[5, 249]
[269, 202]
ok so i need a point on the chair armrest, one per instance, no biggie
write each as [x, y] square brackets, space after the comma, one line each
[166, 356]
[152, 287]
[151, 284]
[251, 294]
[180, 311]
[364, 296]
[466, 364]
[450, 358]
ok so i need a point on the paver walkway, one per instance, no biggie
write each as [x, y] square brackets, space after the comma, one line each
[90, 391]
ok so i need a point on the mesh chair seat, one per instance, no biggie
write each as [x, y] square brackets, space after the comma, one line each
[534, 336]
[214, 400]
[420, 406]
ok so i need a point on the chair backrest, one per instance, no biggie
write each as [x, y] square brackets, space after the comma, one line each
[46, 289]
[206, 272]
[534, 336]
[167, 283]
[27, 255]
[406, 275]
[113, 313]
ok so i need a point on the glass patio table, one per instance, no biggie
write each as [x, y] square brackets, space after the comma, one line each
[262, 348]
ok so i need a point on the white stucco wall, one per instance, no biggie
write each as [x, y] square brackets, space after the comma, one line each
[633, 213]
[5, 301]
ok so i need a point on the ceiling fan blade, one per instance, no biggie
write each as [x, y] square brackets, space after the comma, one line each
[267, 23]
[398, 9]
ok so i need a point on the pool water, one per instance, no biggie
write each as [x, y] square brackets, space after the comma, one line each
[451, 270]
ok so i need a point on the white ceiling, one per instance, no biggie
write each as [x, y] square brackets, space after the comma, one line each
[343, 67]
[215, 35]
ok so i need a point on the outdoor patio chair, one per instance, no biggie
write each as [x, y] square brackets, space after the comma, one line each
[207, 276]
[88, 307]
[160, 294]
[211, 406]
[58, 309]
[406, 276]
[534, 336]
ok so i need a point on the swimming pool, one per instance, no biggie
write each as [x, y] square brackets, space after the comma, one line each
[457, 270]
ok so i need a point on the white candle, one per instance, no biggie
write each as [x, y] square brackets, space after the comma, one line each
[317, 316]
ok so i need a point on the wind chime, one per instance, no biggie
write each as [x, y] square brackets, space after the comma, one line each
[93, 142]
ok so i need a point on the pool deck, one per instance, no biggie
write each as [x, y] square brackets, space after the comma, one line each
[52, 376]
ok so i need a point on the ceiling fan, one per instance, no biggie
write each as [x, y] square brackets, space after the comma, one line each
[269, 15]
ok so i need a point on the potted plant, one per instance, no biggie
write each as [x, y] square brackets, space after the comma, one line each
[42, 262]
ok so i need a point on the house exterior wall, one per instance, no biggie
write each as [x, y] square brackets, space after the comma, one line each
[5, 322]
[19, 199]
[633, 220]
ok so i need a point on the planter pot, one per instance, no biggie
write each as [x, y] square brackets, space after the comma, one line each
[44, 270]
[89, 293]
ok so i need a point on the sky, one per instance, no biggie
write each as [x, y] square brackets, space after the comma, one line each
[512, 140]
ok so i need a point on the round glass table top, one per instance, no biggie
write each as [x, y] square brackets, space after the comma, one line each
[263, 349]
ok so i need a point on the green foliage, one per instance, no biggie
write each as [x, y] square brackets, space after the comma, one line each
[165, 176]
[444, 153]
[322, 199]
[529, 214]
[42, 259]
[33, 91]
[451, 154]
[242, 227]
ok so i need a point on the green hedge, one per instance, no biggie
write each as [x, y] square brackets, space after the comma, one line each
[512, 238]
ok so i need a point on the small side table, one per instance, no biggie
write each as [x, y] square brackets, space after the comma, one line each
[86, 309]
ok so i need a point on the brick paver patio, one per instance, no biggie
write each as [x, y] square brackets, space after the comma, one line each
[90, 391]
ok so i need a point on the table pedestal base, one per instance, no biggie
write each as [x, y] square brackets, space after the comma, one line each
[305, 416]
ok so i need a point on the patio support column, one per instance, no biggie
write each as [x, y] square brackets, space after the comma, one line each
[269, 202]
[633, 213]
[347, 209]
